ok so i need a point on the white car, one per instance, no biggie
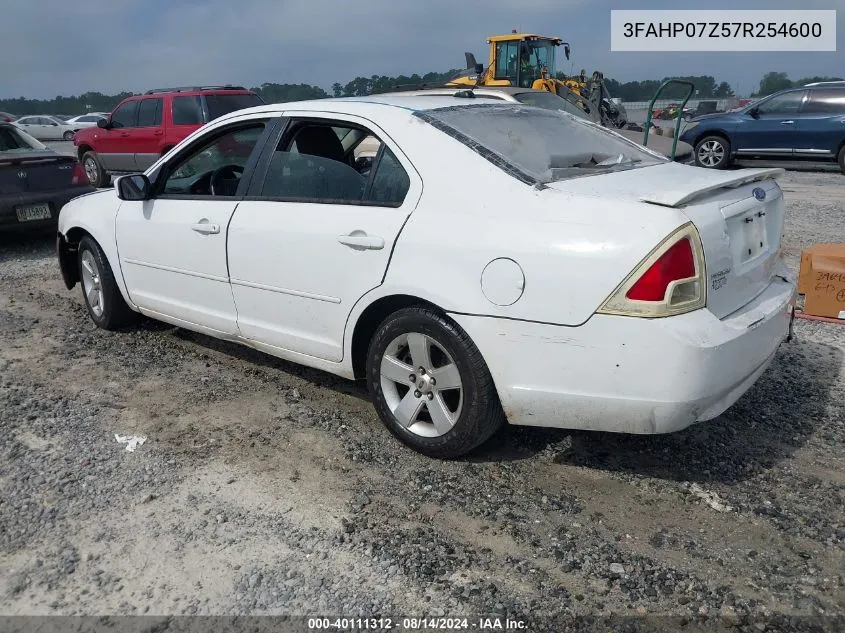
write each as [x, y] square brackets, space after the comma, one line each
[494, 262]
[85, 120]
[46, 128]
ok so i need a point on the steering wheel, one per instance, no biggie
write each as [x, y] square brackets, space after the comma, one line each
[216, 185]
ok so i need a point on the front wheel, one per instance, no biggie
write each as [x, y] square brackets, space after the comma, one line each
[68, 136]
[97, 176]
[430, 384]
[103, 300]
[712, 152]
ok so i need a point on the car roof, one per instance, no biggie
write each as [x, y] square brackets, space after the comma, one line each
[361, 105]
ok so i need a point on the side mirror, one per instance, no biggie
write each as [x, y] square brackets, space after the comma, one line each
[103, 123]
[479, 68]
[754, 112]
[133, 187]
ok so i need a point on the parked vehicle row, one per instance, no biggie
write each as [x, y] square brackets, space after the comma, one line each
[799, 124]
[443, 269]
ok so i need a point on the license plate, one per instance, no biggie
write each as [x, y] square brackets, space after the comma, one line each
[33, 212]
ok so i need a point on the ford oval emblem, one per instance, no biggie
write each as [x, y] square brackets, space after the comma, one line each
[759, 193]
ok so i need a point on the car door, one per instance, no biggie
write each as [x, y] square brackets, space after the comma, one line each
[172, 247]
[111, 142]
[316, 231]
[821, 124]
[31, 125]
[146, 137]
[771, 128]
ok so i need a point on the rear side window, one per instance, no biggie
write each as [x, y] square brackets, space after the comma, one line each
[126, 115]
[187, 111]
[391, 182]
[149, 113]
[826, 101]
[218, 105]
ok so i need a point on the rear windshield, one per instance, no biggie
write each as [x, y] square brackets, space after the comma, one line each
[549, 101]
[13, 140]
[218, 105]
[538, 145]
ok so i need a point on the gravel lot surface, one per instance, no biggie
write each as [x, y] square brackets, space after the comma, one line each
[267, 488]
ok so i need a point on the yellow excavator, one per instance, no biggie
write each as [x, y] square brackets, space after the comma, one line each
[528, 61]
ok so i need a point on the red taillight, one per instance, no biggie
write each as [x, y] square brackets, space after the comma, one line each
[675, 264]
[78, 177]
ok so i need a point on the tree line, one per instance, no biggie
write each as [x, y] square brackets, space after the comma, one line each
[706, 87]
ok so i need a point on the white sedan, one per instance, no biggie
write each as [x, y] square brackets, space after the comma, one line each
[85, 120]
[494, 262]
[46, 128]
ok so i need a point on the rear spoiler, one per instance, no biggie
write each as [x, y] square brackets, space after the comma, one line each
[30, 158]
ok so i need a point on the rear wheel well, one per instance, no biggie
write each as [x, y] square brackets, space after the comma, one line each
[369, 321]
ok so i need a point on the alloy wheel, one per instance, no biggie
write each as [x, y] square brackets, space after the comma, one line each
[421, 384]
[711, 153]
[91, 283]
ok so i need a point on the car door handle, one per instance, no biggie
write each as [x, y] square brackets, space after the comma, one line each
[124, 134]
[360, 240]
[205, 228]
[787, 122]
[158, 133]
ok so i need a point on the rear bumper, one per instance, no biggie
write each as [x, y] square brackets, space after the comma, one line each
[632, 375]
[56, 199]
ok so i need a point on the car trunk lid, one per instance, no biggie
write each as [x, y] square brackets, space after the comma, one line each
[738, 214]
[35, 171]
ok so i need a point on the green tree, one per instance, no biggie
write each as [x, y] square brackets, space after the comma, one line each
[723, 91]
[773, 82]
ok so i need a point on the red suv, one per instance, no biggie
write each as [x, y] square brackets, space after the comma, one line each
[144, 127]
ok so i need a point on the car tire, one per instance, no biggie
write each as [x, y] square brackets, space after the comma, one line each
[68, 136]
[97, 176]
[842, 158]
[441, 421]
[713, 152]
[102, 297]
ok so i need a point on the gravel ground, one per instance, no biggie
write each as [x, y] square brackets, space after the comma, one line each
[265, 488]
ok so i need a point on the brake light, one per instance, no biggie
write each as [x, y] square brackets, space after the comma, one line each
[675, 264]
[78, 176]
[670, 281]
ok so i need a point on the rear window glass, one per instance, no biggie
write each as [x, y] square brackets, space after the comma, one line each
[549, 101]
[218, 105]
[537, 145]
[13, 141]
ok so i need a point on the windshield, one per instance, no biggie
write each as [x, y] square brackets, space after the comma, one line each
[218, 105]
[14, 140]
[538, 145]
[549, 101]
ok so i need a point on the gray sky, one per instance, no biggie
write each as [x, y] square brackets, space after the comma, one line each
[65, 48]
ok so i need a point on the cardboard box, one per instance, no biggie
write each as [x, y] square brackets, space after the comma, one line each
[824, 283]
[805, 275]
